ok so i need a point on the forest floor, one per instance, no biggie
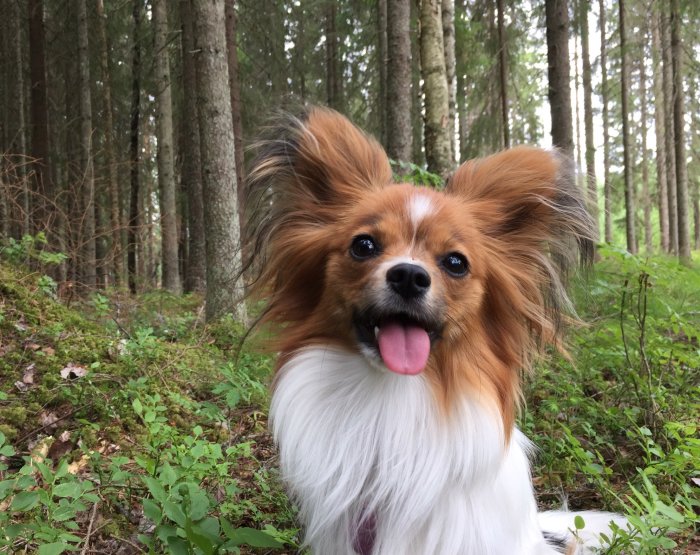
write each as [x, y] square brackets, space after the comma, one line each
[128, 426]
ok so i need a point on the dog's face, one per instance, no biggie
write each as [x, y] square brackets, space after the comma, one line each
[460, 284]
[405, 275]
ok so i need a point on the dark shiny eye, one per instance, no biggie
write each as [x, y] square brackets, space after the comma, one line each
[363, 246]
[455, 264]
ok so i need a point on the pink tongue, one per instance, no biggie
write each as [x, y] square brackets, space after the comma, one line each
[404, 349]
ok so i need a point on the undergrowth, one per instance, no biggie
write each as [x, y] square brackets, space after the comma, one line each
[126, 423]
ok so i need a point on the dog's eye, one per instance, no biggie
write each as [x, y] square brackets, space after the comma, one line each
[363, 246]
[455, 264]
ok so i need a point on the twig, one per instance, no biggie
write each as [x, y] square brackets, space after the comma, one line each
[89, 530]
[37, 430]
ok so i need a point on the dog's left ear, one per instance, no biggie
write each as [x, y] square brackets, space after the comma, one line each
[528, 198]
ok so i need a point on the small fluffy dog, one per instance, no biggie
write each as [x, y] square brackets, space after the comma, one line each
[404, 316]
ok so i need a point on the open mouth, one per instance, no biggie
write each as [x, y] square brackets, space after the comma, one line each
[402, 341]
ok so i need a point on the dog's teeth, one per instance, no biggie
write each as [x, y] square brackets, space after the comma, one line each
[376, 332]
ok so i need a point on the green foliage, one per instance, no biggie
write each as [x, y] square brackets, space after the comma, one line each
[630, 405]
[408, 172]
[31, 248]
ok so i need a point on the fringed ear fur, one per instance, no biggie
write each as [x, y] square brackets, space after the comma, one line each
[307, 171]
[527, 202]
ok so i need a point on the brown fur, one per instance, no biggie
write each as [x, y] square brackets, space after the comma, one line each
[517, 216]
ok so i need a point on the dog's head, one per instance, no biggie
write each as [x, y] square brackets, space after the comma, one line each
[461, 284]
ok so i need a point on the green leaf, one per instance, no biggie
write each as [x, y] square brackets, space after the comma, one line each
[68, 489]
[152, 511]
[138, 407]
[174, 513]
[178, 546]
[579, 523]
[24, 501]
[55, 548]
[252, 537]
[156, 488]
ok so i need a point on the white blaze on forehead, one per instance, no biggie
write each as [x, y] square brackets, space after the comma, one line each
[419, 206]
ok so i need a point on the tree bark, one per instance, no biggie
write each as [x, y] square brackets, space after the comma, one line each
[669, 134]
[196, 275]
[224, 284]
[503, 72]
[448, 37]
[134, 156]
[588, 110]
[559, 91]
[110, 157]
[398, 98]
[16, 84]
[607, 192]
[165, 156]
[679, 135]
[39, 116]
[646, 197]
[660, 129]
[87, 186]
[437, 134]
[630, 208]
[382, 63]
[332, 60]
[235, 86]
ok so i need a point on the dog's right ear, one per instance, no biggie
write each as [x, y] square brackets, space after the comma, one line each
[315, 164]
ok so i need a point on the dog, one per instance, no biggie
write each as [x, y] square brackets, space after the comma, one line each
[404, 317]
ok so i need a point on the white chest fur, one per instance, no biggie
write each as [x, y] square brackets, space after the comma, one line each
[356, 441]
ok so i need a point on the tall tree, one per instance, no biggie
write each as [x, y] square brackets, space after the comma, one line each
[382, 63]
[224, 287]
[235, 86]
[679, 134]
[437, 132]
[605, 94]
[333, 74]
[669, 134]
[398, 98]
[165, 155]
[646, 197]
[448, 38]
[660, 129]
[584, 7]
[503, 73]
[559, 90]
[135, 218]
[108, 146]
[196, 273]
[16, 84]
[630, 210]
[39, 112]
[89, 249]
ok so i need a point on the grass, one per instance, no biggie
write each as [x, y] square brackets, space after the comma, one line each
[127, 423]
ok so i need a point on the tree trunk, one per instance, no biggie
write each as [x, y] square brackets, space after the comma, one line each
[224, 284]
[333, 76]
[575, 100]
[437, 133]
[607, 193]
[669, 135]
[679, 135]
[588, 111]
[417, 105]
[87, 186]
[110, 158]
[462, 57]
[165, 156]
[382, 63]
[39, 116]
[646, 197]
[235, 86]
[196, 275]
[502, 71]
[559, 91]
[398, 98]
[16, 84]
[448, 37]
[660, 129]
[630, 209]
[134, 166]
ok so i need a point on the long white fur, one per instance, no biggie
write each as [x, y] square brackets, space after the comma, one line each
[355, 441]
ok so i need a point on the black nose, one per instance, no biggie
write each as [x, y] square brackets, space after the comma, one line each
[408, 280]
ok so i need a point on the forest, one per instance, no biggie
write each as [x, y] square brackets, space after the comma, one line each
[133, 396]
